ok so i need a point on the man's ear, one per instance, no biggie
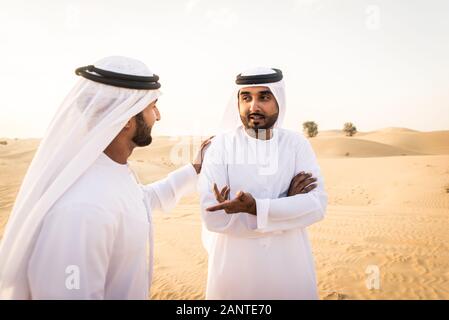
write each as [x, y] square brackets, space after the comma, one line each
[128, 124]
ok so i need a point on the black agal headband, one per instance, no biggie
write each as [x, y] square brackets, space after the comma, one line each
[119, 79]
[260, 78]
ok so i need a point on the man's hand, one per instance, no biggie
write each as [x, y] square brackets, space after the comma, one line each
[243, 202]
[301, 183]
[198, 162]
[222, 195]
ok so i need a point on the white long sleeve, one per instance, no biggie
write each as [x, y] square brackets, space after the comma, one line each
[297, 211]
[80, 238]
[166, 193]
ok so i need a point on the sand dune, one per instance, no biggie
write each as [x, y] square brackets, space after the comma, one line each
[435, 142]
[381, 143]
[396, 130]
[388, 207]
[355, 147]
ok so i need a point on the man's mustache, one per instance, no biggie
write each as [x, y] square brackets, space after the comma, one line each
[255, 114]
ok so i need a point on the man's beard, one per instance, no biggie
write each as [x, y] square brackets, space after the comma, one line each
[258, 121]
[142, 137]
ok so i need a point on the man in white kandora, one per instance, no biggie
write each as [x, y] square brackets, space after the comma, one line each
[257, 242]
[81, 224]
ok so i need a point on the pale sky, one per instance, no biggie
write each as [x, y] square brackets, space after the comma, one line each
[377, 63]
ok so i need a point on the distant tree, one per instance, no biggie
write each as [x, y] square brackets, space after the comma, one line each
[310, 128]
[349, 129]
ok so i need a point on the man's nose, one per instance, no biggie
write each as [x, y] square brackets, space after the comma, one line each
[158, 114]
[254, 106]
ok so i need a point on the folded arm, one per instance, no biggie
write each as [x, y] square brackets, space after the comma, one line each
[300, 210]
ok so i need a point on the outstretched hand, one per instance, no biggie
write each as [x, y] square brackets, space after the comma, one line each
[243, 202]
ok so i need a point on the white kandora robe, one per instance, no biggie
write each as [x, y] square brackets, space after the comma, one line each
[100, 232]
[267, 256]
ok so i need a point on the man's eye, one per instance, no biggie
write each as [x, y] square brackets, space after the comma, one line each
[245, 98]
[265, 97]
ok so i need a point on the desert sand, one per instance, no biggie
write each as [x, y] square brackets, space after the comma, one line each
[388, 208]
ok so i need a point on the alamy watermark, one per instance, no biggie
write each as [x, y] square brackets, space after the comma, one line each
[72, 280]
